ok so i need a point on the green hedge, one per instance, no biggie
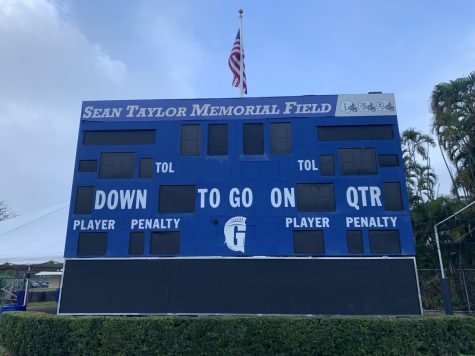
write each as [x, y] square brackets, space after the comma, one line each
[38, 333]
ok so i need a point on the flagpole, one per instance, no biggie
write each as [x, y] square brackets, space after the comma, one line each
[241, 49]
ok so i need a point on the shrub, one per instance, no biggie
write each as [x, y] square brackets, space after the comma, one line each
[37, 333]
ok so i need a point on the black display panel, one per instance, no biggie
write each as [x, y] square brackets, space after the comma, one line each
[354, 239]
[217, 139]
[165, 243]
[253, 140]
[309, 242]
[117, 137]
[177, 199]
[281, 138]
[357, 161]
[355, 132]
[315, 197]
[136, 243]
[388, 160]
[190, 140]
[384, 241]
[327, 165]
[87, 165]
[146, 168]
[84, 200]
[392, 196]
[351, 286]
[92, 244]
[117, 165]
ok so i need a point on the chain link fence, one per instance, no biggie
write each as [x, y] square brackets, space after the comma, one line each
[462, 290]
[38, 290]
[8, 289]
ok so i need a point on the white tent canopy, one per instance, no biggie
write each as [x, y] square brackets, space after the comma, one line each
[35, 238]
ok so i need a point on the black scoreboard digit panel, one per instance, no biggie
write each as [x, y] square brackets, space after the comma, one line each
[282, 205]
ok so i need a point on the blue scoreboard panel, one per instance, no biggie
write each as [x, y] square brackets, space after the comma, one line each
[283, 205]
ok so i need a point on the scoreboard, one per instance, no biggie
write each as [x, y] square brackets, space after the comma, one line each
[279, 205]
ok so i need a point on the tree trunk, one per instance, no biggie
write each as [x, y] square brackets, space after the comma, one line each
[448, 168]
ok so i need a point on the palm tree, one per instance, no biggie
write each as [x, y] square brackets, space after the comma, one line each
[427, 182]
[453, 106]
[420, 176]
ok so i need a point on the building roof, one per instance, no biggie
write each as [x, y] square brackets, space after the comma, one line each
[35, 238]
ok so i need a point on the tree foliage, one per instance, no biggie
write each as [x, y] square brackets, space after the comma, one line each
[453, 106]
[456, 141]
[420, 176]
[453, 125]
[5, 212]
[457, 235]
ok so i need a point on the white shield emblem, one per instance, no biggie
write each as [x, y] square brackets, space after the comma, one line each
[235, 233]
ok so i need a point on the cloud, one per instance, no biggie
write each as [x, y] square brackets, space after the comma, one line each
[41, 51]
[115, 70]
[48, 67]
[175, 49]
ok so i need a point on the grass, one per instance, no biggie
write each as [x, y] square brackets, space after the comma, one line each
[4, 351]
[45, 307]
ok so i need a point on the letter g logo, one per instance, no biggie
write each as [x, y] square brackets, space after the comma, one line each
[235, 233]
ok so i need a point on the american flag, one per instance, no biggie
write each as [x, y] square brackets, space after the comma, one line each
[235, 63]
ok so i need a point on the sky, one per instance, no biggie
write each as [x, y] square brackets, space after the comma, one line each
[55, 54]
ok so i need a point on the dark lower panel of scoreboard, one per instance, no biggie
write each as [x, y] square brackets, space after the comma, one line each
[386, 286]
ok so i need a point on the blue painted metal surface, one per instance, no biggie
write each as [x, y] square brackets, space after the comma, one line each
[12, 308]
[269, 227]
